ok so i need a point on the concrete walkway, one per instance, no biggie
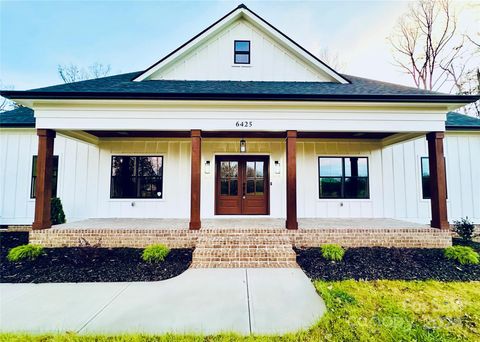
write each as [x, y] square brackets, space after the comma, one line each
[208, 301]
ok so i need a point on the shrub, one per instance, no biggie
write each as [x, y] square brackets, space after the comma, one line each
[155, 253]
[464, 228]
[332, 252]
[464, 255]
[56, 211]
[24, 252]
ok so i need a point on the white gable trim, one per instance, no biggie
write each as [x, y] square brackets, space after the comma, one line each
[245, 13]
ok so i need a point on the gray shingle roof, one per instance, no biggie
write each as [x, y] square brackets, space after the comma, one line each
[23, 117]
[457, 121]
[19, 117]
[122, 87]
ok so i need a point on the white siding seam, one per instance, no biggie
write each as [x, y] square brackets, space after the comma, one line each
[14, 200]
[459, 174]
[4, 180]
[471, 177]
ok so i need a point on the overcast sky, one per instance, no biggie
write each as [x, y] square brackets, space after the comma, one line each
[36, 36]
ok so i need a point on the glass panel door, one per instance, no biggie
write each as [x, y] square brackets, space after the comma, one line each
[242, 185]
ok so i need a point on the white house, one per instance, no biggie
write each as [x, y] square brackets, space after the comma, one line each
[240, 121]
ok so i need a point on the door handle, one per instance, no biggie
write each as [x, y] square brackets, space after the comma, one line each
[244, 189]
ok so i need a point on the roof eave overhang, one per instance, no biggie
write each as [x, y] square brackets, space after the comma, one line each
[462, 128]
[29, 125]
[449, 103]
[437, 99]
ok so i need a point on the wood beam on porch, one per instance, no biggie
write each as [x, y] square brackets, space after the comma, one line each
[438, 186]
[291, 143]
[196, 137]
[43, 190]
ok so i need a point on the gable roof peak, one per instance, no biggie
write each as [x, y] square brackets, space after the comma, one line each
[243, 12]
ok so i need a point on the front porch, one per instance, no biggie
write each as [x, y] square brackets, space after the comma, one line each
[237, 223]
[267, 174]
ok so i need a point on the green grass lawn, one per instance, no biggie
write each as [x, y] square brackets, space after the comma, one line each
[359, 311]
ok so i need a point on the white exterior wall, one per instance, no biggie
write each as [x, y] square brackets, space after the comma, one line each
[84, 177]
[175, 202]
[213, 60]
[401, 163]
[395, 179]
[308, 202]
[77, 176]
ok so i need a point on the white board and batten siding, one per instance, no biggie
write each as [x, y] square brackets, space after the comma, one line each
[214, 60]
[84, 177]
[394, 178]
[175, 201]
[77, 176]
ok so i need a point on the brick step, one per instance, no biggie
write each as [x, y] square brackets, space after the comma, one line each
[240, 254]
[244, 264]
[244, 232]
[246, 248]
[244, 236]
[242, 243]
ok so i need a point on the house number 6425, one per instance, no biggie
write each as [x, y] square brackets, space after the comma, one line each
[244, 124]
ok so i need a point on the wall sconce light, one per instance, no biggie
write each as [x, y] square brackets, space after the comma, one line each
[277, 167]
[243, 146]
[207, 167]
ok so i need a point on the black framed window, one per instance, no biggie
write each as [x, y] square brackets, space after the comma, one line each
[343, 177]
[137, 177]
[425, 168]
[33, 184]
[242, 52]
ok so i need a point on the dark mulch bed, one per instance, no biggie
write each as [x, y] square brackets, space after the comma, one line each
[387, 263]
[87, 264]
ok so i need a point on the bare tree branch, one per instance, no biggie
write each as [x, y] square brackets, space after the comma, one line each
[422, 38]
[73, 73]
[332, 59]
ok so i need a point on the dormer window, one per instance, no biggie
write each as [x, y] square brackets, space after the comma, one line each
[242, 52]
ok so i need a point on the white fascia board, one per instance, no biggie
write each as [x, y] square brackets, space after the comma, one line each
[223, 115]
[276, 125]
[18, 130]
[262, 119]
[195, 105]
[241, 12]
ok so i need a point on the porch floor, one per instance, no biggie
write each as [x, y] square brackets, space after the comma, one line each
[238, 223]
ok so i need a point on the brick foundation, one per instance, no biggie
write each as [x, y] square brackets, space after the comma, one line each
[182, 238]
[229, 248]
[19, 228]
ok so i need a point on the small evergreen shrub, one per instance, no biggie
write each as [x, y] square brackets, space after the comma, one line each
[332, 252]
[464, 228]
[155, 253]
[56, 211]
[464, 255]
[24, 252]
